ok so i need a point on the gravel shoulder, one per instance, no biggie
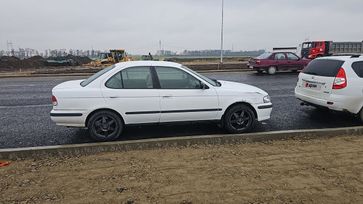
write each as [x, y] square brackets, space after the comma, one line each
[313, 171]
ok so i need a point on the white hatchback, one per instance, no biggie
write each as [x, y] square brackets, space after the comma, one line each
[155, 92]
[333, 82]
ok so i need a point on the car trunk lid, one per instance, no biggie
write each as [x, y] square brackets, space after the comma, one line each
[316, 86]
[318, 77]
[69, 84]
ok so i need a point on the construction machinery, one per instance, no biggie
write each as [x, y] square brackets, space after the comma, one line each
[109, 58]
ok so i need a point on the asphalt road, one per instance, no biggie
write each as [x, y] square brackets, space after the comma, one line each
[25, 106]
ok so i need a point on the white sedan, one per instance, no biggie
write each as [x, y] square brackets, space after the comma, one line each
[142, 92]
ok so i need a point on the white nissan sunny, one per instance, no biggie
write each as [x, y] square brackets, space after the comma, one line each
[142, 92]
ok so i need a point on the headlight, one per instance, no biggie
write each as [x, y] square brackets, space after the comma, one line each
[267, 99]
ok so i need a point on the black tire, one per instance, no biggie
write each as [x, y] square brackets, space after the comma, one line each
[361, 115]
[272, 70]
[105, 126]
[239, 119]
[259, 71]
[322, 109]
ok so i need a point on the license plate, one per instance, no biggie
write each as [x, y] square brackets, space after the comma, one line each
[310, 85]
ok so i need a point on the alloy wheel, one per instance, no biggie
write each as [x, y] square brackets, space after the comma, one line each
[104, 126]
[241, 119]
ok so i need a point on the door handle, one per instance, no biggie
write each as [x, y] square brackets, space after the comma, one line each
[114, 97]
[167, 96]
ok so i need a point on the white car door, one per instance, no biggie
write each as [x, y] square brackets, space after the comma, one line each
[131, 92]
[182, 97]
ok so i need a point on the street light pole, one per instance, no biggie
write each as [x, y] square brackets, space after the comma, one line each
[222, 32]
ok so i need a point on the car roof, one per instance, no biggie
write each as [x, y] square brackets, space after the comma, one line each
[343, 58]
[147, 63]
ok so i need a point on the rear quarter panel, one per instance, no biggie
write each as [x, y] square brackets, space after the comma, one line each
[78, 99]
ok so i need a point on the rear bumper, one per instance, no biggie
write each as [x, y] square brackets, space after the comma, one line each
[255, 67]
[333, 102]
[74, 118]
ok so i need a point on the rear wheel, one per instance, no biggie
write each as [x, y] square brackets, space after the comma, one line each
[105, 126]
[239, 119]
[271, 70]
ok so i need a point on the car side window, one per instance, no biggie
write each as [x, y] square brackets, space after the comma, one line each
[115, 82]
[358, 68]
[173, 78]
[291, 56]
[137, 78]
[280, 56]
[131, 78]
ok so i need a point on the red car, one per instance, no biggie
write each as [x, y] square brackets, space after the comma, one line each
[277, 61]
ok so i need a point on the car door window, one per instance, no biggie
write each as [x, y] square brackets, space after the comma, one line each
[280, 56]
[137, 78]
[131, 78]
[291, 56]
[173, 78]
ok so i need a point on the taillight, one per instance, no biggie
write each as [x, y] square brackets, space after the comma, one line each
[258, 61]
[54, 101]
[340, 80]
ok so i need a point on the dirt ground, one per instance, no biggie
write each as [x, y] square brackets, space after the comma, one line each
[314, 171]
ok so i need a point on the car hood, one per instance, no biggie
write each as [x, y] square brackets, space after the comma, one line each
[69, 84]
[239, 87]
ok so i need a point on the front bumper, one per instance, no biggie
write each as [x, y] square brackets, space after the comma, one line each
[263, 111]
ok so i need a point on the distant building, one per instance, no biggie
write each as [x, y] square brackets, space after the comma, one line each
[166, 53]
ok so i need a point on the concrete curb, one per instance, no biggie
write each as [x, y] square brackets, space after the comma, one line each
[93, 148]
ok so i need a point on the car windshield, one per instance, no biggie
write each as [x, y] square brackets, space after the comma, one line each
[306, 45]
[213, 82]
[264, 55]
[95, 76]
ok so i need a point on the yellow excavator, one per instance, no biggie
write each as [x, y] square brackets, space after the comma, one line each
[112, 57]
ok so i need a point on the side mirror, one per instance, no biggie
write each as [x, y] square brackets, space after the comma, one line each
[204, 86]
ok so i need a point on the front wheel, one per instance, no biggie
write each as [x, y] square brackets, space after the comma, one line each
[239, 119]
[105, 126]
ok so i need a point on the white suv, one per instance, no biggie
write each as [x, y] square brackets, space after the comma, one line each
[333, 82]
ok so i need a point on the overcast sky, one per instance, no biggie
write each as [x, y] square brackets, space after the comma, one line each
[138, 25]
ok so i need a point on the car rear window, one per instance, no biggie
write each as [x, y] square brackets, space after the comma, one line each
[95, 76]
[358, 68]
[265, 55]
[323, 67]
